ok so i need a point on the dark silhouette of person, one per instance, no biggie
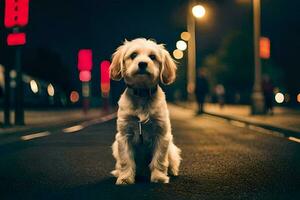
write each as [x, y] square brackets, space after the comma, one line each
[268, 92]
[201, 89]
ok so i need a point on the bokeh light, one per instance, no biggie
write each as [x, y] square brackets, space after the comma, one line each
[74, 97]
[181, 45]
[177, 54]
[185, 36]
[298, 98]
[279, 97]
[34, 87]
[50, 90]
[85, 76]
[198, 11]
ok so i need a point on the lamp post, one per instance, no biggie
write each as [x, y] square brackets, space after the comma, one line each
[257, 96]
[197, 11]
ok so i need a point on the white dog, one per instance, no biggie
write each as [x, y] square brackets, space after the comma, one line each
[144, 139]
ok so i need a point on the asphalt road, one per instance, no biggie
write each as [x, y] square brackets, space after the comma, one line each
[220, 161]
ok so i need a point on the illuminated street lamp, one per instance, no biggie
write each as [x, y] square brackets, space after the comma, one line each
[197, 11]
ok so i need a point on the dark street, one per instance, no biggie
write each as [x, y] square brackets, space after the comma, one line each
[220, 161]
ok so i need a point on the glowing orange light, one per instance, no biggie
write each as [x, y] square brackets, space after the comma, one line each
[264, 49]
[105, 80]
[85, 61]
[16, 13]
[298, 98]
[85, 76]
[74, 97]
[14, 39]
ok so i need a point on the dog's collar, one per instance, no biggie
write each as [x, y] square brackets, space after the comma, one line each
[143, 92]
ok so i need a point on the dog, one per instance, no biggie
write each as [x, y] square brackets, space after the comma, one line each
[143, 142]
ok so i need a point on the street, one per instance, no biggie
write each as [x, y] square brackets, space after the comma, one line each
[220, 161]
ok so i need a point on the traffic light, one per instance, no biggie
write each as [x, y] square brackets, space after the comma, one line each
[16, 13]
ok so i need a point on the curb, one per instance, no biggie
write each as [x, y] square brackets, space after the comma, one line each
[286, 132]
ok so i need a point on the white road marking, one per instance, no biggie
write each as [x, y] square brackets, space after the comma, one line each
[73, 129]
[35, 135]
[294, 139]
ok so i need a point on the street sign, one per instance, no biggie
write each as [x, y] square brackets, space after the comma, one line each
[15, 39]
[85, 61]
[16, 13]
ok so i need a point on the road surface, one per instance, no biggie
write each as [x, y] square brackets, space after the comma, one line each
[220, 161]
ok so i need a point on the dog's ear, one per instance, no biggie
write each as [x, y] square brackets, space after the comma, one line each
[168, 70]
[115, 69]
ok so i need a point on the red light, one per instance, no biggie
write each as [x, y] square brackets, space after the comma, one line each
[14, 39]
[85, 76]
[104, 74]
[85, 62]
[16, 13]
[264, 49]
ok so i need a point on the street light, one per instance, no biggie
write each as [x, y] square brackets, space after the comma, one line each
[257, 96]
[197, 11]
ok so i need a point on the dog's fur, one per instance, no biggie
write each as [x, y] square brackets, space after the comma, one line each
[156, 150]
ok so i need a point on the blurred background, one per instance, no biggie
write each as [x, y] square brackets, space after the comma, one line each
[57, 30]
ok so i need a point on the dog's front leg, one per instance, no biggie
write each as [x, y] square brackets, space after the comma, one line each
[126, 161]
[159, 163]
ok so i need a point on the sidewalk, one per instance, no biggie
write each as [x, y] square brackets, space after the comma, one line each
[284, 119]
[39, 119]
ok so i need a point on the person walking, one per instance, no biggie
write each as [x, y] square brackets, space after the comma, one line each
[201, 89]
[268, 91]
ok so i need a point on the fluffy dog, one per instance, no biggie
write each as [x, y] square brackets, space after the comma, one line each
[144, 139]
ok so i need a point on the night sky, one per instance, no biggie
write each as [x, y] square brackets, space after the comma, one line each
[68, 25]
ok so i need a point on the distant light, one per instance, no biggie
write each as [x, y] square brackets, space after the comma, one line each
[104, 78]
[13, 74]
[298, 98]
[50, 90]
[16, 13]
[85, 76]
[177, 54]
[185, 36]
[264, 47]
[85, 60]
[198, 11]
[279, 97]
[181, 45]
[14, 39]
[74, 97]
[34, 87]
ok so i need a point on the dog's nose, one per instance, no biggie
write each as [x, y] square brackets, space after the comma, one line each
[143, 65]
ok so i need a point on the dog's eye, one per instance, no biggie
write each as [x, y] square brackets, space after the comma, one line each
[133, 55]
[152, 57]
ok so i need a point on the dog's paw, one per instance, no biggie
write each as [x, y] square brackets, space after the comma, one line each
[173, 171]
[125, 181]
[115, 173]
[159, 177]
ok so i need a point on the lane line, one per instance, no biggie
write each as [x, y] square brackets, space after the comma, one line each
[294, 139]
[73, 129]
[35, 135]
